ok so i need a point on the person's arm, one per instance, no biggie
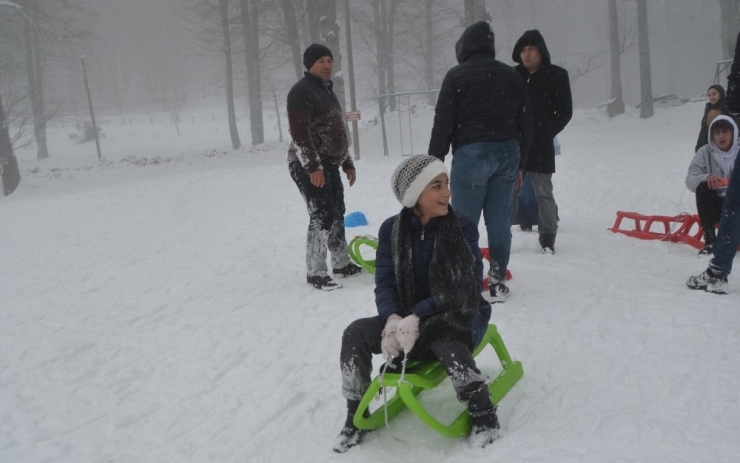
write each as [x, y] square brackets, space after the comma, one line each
[300, 115]
[562, 104]
[698, 169]
[445, 116]
[386, 292]
[732, 97]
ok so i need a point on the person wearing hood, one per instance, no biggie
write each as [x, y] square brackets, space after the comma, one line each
[428, 284]
[548, 87]
[715, 104]
[483, 113]
[320, 147]
[709, 174]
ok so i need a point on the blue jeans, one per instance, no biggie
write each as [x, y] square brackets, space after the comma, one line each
[482, 179]
[728, 235]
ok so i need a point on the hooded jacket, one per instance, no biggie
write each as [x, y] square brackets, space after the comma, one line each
[481, 99]
[710, 160]
[704, 130]
[550, 100]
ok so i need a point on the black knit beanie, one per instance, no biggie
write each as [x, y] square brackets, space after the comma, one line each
[315, 52]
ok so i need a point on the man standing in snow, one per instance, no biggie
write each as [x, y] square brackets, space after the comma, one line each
[319, 148]
[548, 87]
[482, 111]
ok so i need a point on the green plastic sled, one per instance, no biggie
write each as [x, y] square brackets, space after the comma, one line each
[354, 251]
[427, 374]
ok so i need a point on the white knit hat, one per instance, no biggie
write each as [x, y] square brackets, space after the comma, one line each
[413, 175]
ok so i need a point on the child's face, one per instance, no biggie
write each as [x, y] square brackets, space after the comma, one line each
[435, 199]
[713, 95]
[723, 138]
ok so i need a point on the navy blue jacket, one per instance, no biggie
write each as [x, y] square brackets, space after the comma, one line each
[386, 294]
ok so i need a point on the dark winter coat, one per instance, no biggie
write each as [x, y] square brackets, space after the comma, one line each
[733, 81]
[481, 99]
[703, 138]
[317, 126]
[445, 312]
[550, 100]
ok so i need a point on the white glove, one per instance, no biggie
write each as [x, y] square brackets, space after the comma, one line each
[407, 332]
[389, 344]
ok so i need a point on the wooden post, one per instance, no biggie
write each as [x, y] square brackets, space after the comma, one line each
[89, 102]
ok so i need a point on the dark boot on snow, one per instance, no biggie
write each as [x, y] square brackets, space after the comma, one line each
[709, 238]
[547, 242]
[350, 435]
[482, 415]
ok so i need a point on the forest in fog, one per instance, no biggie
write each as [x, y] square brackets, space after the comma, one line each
[145, 56]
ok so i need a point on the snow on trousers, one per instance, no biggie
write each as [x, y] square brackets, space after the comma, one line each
[326, 218]
[361, 340]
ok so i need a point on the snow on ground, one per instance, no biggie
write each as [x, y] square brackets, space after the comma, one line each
[153, 308]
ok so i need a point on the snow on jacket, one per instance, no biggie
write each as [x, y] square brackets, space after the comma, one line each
[704, 130]
[317, 126]
[710, 160]
[550, 99]
[481, 99]
[387, 298]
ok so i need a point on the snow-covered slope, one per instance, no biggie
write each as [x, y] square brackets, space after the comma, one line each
[153, 308]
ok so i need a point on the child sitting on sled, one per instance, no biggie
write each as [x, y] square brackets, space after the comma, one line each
[428, 285]
[709, 174]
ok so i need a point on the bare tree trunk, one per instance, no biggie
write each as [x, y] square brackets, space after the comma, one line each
[475, 10]
[315, 11]
[646, 101]
[33, 71]
[379, 46]
[330, 37]
[6, 147]
[224, 8]
[389, 47]
[616, 106]
[277, 111]
[429, 55]
[291, 30]
[250, 29]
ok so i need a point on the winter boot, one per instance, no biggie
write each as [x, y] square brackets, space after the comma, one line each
[348, 270]
[349, 436]
[547, 242]
[482, 415]
[323, 282]
[709, 238]
[709, 282]
[499, 291]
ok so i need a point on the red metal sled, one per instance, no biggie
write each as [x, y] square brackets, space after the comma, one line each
[681, 228]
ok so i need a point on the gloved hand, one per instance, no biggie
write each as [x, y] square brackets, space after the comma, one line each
[407, 332]
[389, 344]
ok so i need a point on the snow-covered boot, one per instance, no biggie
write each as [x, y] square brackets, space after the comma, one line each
[350, 435]
[709, 239]
[482, 415]
[348, 270]
[323, 282]
[709, 282]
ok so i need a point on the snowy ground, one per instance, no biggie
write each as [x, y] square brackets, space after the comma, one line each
[159, 313]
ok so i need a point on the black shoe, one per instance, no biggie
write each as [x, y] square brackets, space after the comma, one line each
[324, 283]
[499, 292]
[526, 228]
[547, 242]
[348, 270]
[706, 250]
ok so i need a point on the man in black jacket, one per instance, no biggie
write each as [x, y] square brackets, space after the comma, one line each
[548, 87]
[319, 148]
[482, 111]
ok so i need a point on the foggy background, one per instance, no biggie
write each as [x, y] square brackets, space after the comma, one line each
[145, 56]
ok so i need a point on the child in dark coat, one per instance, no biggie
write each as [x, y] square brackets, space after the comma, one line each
[428, 279]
